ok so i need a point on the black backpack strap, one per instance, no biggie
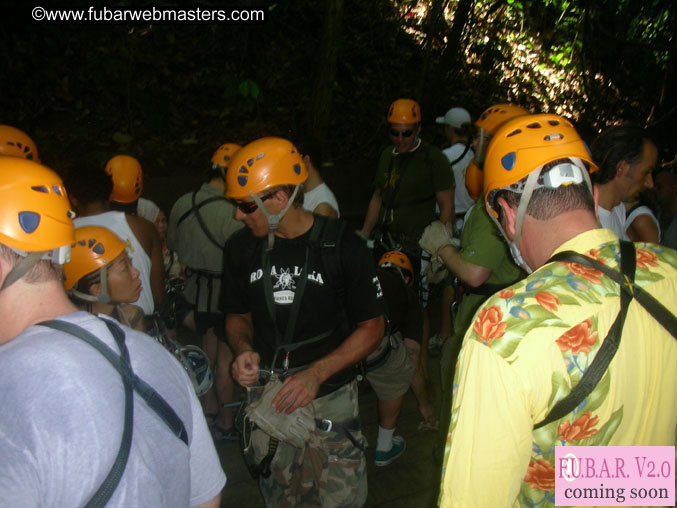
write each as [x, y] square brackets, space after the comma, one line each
[329, 245]
[122, 364]
[187, 213]
[465, 151]
[628, 291]
[200, 220]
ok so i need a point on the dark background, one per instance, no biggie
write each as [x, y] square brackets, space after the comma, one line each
[326, 70]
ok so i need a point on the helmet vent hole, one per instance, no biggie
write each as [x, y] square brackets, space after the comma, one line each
[98, 249]
[534, 125]
[91, 243]
[81, 243]
[242, 170]
[250, 162]
[242, 180]
[514, 133]
[40, 188]
[29, 221]
[508, 161]
[553, 122]
[56, 190]
[553, 137]
[260, 156]
[297, 169]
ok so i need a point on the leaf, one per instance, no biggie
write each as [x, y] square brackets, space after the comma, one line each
[560, 387]
[606, 433]
[122, 139]
[599, 394]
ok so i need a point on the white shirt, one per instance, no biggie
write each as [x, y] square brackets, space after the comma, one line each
[613, 219]
[462, 199]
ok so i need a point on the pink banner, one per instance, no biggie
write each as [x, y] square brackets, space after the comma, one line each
[615, 475]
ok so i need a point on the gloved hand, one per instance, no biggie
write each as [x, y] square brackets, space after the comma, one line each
[294, 428]
[436, 271]
[435, 236]
[362, 234]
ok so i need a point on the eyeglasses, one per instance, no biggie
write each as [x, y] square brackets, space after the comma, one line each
[251, 206]
[405, 134]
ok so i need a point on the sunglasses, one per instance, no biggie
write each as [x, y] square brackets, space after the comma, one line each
[251, 206]
[405, 134]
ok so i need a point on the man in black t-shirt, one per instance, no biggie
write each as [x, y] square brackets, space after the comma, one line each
[311, 330]
[395, 365]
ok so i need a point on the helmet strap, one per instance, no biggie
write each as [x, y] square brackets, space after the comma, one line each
[103, 297]
[274, 219]
[527, 192]
[21, 268]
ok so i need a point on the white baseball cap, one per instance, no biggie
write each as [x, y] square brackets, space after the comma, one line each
[455, 117]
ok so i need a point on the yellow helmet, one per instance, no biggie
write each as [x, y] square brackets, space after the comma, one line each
[224, 154]
[127, 178]
[526, 143]
[495, 116]
[404, 111]
[95, 247]
[264, 164]
[17, 143]
[489, 121]
[35, 213]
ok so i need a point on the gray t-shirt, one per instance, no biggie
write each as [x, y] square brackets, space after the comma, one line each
[194, 247]
[61, 420]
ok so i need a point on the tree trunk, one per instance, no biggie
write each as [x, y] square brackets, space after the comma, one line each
[326, 72]
[432, 29]
[454, 42]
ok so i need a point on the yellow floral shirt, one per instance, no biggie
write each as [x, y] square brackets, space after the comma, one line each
[528, 345]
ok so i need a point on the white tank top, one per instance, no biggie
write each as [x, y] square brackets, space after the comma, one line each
[117, 223]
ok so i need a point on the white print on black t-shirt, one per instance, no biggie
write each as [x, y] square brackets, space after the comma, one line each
[284, 283]
[379, 290]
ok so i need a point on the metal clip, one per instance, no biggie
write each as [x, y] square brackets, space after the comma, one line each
[325, 423]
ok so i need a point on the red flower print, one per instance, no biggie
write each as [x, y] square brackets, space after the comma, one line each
[490, 325]
[578, 339]
[579, 429]
[547, 300]
[506, 293]
[589, 274]
[645, 257]
[540, 475]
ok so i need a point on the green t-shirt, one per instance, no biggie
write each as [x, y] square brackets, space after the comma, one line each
[482, 245]
[408, 183]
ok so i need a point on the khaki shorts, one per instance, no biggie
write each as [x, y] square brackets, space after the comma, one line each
[392, 379]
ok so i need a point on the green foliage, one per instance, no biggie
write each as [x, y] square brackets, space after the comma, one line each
[172, 94]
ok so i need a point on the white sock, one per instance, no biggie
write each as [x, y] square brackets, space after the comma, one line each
[384, 441]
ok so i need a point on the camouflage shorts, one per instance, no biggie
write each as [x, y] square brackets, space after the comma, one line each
[329, 472]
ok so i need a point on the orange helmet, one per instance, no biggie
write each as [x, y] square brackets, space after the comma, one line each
[95, 247]
[263, 164]
[404, 111]
[35, 214]
[492, 118]
[526, 143]
[127, 178]
[496, 115]
[224, 153]
[396, 258]
[17, 143]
